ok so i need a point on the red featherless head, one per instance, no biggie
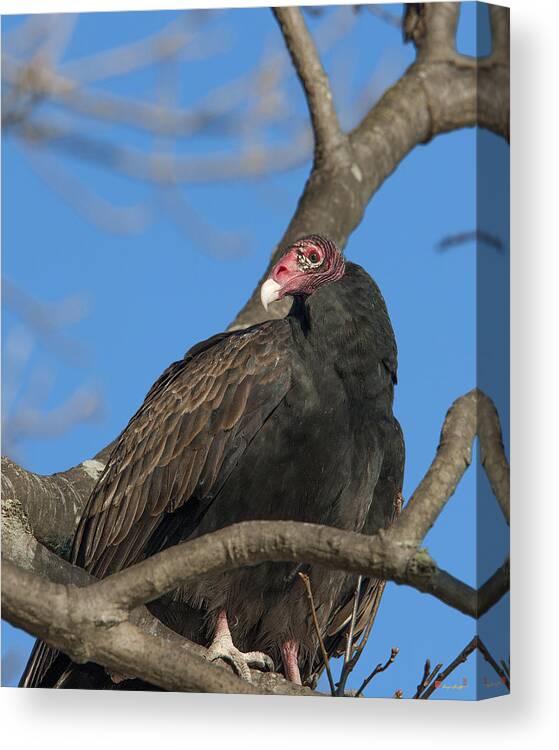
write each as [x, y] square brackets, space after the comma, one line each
[307, 265]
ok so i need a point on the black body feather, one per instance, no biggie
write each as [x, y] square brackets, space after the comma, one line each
[291, 419]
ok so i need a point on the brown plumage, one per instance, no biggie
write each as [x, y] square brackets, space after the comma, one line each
[291, 419]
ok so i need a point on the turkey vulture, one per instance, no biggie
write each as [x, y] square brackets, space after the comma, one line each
[290, 419]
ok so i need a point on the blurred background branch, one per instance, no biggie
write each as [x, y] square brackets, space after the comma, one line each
[29, 378]
[54, 104]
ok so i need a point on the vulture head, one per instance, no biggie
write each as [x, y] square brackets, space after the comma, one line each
[307, 265]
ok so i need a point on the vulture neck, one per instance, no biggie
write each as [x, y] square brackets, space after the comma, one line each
[338, 324]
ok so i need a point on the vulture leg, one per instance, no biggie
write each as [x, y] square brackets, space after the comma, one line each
[222, 647]
[289, 653]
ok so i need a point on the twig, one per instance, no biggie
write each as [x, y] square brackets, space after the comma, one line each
[351, 630]
[378, 586]
[383, 15]
[460, 659]
[350, 659]
[424, 680]
[377, 670]
[476, 642]
[307, 584]
[428, 677]
[490, 660]
[505, 667]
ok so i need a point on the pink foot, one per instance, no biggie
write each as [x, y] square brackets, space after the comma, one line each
[289, 654]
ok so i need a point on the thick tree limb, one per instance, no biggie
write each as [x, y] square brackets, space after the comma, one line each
[328, 135]
[492, 451]
[92, 623]
[432, 29]
[391, 555]
[253, 542]
[470, 415]
[52, 504]
[20, 547]
[89, 635]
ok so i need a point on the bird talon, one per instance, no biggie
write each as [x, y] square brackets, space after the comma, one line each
[223, 648]
[260, 660]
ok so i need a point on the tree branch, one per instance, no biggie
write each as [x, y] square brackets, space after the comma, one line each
[392, 554]
[20, 547]
[63, 617]
[441, 92]
[92, 623]
[470, 415]
[52, 504]
[492, 452]
[432, 682]
[377, 670]
[328, 136]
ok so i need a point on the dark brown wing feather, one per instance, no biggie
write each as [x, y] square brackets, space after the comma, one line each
[189, 433]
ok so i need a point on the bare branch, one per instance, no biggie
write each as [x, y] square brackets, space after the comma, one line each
[328, 135]
[433, 684]
[349, 646]
[52, 504]
[476, 642]
[93, 624]
[504, 674]
[307, 584]
[428, 676]
[253, 542]
[134, 56]
[500, 31]
[392, 554]
[492, 451]
[505, 666]
[20, 546]
[163, 168]
[63, 618]
[471, 414]
[351, 655]
[494, 588]
[432, 27]
[377, 670]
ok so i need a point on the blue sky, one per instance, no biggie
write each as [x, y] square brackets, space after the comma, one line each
[149, 296]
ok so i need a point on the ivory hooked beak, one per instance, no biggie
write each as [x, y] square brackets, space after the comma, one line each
[269, 292]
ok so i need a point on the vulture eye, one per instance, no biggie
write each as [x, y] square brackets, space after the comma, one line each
[309, 258]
